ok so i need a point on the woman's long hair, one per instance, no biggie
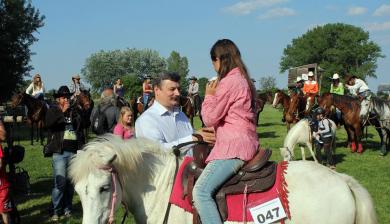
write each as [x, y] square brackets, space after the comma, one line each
[37, 84]
[123, 111]
[230, 57]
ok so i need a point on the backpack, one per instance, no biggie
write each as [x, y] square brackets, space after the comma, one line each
[99, 122]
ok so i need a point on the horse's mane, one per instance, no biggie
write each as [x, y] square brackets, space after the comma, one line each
[130, 156]
[348, 101]
[380, 103]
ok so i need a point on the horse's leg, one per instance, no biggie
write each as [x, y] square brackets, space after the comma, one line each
[358, 137]
[41, 129]
[310, 147]
[32, 133]
[303, 153]
[349, 138]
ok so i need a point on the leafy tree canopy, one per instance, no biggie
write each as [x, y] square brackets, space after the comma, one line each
[176, 63]
[103, 68]
[337, 48]
[267, 83]
[18, 21]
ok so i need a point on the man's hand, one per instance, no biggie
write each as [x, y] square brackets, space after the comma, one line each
[208, 135]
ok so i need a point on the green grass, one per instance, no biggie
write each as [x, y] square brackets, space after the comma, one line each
[371, 170]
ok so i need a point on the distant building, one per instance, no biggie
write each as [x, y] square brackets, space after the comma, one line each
[384, 88]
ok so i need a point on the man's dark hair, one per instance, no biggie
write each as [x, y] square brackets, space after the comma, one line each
[172, 76]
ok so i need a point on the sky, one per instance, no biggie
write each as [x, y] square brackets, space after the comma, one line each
[261, 29]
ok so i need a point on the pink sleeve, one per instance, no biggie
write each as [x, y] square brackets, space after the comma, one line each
[118, 130]
[215, 107]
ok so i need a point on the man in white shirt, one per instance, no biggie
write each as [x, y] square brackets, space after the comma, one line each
[357, 87]
[163, 121]
[193, 92]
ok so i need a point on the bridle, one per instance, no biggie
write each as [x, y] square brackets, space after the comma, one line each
[114, 176]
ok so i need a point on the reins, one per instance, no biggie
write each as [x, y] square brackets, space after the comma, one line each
[114, 174]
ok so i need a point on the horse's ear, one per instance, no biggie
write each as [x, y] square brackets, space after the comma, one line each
[109, 160]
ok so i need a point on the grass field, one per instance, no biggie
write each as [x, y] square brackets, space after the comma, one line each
[371, 170]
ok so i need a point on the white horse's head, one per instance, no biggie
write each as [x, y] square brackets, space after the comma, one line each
[286, 154]
[365, 107]
[97, 184]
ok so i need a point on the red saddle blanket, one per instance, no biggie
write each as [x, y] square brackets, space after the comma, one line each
[236, 203]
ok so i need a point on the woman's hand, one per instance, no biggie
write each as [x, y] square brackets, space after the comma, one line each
[211, 87]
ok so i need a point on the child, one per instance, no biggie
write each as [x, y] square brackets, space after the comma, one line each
[324, 138]
[5, 202]
[124, 126]
[229, 107]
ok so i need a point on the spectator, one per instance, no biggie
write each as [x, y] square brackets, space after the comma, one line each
[5, 202]
[118, 88]
[36, 88]
[124, 126]
[76, 86]
[193, 92]
[108, 108]
[164, 122]
[64, 140]
[147, 92]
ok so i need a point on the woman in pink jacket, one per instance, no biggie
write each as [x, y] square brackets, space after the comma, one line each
[229, 107]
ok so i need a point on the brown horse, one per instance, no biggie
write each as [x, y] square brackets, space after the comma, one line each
[261, 100]
[187, 106]
[283, 99]
[138, 107]
[36, 113]
[84, 104]
[350, 107]
[300, 106]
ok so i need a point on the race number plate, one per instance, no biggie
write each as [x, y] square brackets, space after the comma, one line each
[268, 212]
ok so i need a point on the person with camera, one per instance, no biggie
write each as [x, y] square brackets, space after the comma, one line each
[5, 202]
[65, 138]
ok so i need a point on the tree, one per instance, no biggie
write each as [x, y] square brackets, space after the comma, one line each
[103, 68]
[176, 63]
[267, 83]
[133, 85]
[18, 21]
[202, 82]
[338, 48]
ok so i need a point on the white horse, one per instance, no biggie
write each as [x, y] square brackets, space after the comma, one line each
[301, 133]
[144, 177]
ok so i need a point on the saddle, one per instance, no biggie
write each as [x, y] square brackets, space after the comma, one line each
[257, 175]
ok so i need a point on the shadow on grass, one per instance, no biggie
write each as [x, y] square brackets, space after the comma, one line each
[270, 124]
[268, 134]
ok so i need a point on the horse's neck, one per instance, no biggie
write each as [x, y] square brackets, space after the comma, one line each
[300, 131]
[286, 102]
[148, 199]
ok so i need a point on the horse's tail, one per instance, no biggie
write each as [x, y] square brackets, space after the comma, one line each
[365, 212]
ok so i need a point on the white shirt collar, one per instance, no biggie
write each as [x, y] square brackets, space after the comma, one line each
[161, 110]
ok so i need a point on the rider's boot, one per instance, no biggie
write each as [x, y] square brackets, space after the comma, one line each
[383, 150]
[353, 147]
[360, 148]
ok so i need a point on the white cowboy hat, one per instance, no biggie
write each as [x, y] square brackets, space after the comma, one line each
[305, 77]
[310, 74]
[336, 76]
[299, 78]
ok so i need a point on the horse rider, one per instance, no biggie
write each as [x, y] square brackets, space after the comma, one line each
[357, 87]
[310, 89]
[36, 88]
[298, 89]
[337, 87]
[193, 92]
[164, 122]
[324, 138]
[146, 92]
[77, 86]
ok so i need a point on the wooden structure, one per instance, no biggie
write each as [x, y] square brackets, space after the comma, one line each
[293, 73]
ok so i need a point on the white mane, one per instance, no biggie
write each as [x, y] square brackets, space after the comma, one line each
[130, 156]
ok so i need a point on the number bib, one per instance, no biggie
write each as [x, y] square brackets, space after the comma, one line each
[268, 212]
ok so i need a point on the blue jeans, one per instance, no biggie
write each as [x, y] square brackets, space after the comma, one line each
[63, 190]
[145, 99]
[216, 173]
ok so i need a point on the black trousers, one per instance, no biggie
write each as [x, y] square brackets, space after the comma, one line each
[327, 145]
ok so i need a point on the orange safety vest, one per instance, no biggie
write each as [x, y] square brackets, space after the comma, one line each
[310, 87]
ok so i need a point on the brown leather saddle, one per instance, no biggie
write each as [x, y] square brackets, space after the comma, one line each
[256, 175]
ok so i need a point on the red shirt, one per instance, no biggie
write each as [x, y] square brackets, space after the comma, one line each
[4, 183]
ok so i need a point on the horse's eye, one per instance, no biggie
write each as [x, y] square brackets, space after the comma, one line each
[104, 188]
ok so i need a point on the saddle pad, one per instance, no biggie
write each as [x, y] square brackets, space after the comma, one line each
[235, 202]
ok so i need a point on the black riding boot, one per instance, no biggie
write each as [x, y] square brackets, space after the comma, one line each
[318, 152]
[383, 150]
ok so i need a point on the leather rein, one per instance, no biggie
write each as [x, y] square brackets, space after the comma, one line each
[114, 176]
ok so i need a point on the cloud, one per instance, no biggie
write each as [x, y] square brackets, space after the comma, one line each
[378, 26]
[246, 7]
[356, 10]
[382, 10]
[277, 12]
